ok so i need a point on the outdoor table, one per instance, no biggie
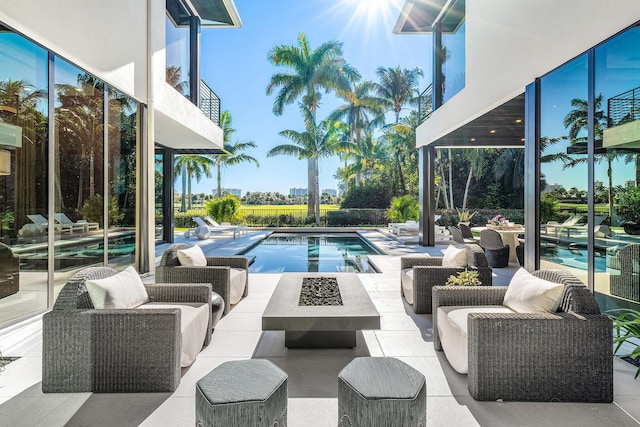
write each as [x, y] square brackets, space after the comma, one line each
[509, 237]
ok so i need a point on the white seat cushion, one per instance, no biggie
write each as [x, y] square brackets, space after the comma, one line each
[452, 329]
[194, 320]
[238, 282]
[122, 290]
[406, 277]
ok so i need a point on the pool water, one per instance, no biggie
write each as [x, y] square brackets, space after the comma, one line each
[324, 253]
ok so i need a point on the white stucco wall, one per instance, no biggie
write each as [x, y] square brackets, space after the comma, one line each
[510, 43]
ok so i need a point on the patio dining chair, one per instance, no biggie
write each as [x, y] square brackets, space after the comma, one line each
[496, 251]
[467, 235]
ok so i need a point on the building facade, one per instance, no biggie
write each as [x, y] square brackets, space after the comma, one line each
[92, 111]
[530, 75]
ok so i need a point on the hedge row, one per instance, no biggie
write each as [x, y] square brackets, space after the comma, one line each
[450, 217]
[357, 217]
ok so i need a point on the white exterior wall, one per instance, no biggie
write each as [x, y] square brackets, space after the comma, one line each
[511, 43]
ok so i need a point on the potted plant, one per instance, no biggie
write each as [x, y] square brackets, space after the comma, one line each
[464, 278]
[465, 215]
[626, 325]
[628, 207]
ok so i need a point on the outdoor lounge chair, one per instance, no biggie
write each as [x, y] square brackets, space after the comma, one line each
[213, 229]
[419, 274]
[85, 349]
[41, 222]
[212, 222]
[81, 225]
[228, 276]
[553, 227]
[566, 355]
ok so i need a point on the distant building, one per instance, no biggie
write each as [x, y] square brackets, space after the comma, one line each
[233, 191]
[598, 184]
[549, 188]
[297, 191]
[330, 191]
[630, 183]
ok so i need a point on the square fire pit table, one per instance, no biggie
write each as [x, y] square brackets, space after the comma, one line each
[320, 326]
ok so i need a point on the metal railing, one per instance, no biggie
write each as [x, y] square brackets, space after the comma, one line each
[624, 108]
[209, 103]
[425, 104]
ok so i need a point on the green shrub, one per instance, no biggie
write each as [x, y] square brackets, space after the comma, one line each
[403, 208]
[366, 196]
[464, 278]
[548, 208]
[224, 209]
[358, 217]
[93, 210]
[628, 204]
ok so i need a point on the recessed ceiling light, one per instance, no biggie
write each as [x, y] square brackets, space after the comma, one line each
[492, 131]
[472, 139]
[518, 120]
[522, 139]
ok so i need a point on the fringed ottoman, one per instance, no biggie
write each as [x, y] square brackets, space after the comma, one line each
[381, 392]
[242, 393]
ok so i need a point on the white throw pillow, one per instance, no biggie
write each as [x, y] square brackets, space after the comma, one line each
[122, 290]
[454, 257]
[192, 257]
[530, 294]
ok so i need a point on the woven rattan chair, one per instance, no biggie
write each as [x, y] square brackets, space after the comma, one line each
[427, 272]
[627, 283]
[114, 350]
[496, 251]
[562, 356]
[217, 272]
[467, 235]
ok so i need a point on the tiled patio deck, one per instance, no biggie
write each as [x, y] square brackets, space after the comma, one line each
[312, 373]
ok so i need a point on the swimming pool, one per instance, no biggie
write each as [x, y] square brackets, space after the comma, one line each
[299, 252]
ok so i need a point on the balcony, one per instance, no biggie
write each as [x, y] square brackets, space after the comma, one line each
[425, 104]
[209, 103]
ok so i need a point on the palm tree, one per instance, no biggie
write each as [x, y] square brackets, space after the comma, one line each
[397, 87]
[174, 78]
[362, 110]
[195, 166]
[477, 160]
[317, 141]
[400, 139]
[310, 73]
[236, 155]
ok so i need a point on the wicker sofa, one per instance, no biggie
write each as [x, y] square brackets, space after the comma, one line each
[561, 356]
[422, 273]
[115, 350]
[219, 272]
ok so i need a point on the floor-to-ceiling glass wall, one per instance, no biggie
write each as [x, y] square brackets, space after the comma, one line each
[563, 168]
[158, 171]
[79, 173]
[178, 48]
[617, 170]
[121, 166]
[24, 119]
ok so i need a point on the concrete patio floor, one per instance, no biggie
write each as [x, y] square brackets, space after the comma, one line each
[312, 373]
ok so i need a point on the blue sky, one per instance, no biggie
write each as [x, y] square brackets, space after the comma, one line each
[234, 63]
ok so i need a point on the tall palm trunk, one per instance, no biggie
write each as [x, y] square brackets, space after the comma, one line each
[316, 188]
[189, 190]
[183, 203]
[219, 177]
[466, 189]
[450, 179]
[609, 175]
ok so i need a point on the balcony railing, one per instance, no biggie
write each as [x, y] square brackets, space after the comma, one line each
[209, 103]
[624, 108]
[425, 104]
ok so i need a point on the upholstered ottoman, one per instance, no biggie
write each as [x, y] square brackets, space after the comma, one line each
[381, 392]
[242, 393]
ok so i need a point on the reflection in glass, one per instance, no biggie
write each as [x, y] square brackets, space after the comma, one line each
[122, 134]
[178, 47]
[23, 177]
[563, 169]
[453, 62]
[79, 176]
[617, 171]
[159, 194]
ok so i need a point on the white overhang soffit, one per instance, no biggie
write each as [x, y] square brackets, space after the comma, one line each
[171, 133]
[418, 16]
[215, 13]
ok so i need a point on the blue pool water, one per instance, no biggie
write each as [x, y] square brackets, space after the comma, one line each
[297, 252]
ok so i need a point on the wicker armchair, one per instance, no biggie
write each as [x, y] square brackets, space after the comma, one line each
[496, 251]
[627, 283]
[9, 271]
[217, 272]
[114, 350]
[562, 356]
[426, 272]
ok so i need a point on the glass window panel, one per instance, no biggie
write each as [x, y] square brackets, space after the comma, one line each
[122, 136]
[178, 47]
[563, 168]
[617, 171]
[79, 172]
[159, 194]
[23, 177]
[453, 64]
